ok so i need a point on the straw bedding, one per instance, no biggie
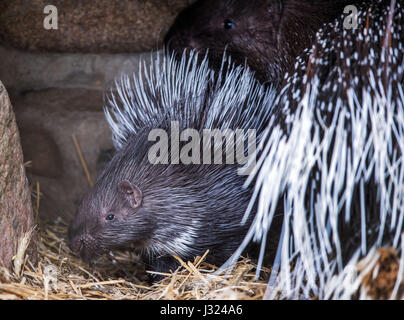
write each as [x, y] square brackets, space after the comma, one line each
[121, 275]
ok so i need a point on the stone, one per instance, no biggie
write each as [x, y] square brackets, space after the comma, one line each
[25, 71]
[102, 26]
[41, 151]
[52, 117]
[16, 213]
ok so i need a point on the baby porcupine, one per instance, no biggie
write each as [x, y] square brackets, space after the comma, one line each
[172, 208]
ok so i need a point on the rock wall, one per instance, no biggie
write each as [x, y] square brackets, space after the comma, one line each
[16, 213]
[108, 26]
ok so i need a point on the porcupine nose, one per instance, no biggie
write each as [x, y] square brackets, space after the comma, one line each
[73, 241]
[76, 239]
[80, 245]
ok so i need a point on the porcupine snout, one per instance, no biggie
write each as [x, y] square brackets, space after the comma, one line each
[80, 242]
[82, 246]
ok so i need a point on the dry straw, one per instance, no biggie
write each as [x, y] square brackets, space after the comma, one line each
[59, 275]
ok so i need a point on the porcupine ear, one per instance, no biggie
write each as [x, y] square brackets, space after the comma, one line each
[132, 193]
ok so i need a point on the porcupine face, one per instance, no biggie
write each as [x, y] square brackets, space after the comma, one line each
[266, 34]
[105, 219]
[112, 214]
[244, 28]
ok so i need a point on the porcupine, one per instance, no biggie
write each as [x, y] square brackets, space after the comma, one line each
[172, 208]
[268, 35]
[333, 159]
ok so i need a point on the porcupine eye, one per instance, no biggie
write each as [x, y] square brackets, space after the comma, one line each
[228, 25]
[110, 217]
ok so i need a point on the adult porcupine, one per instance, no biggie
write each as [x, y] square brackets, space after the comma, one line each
[174, 208]
[334, 152]
[267, 34]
